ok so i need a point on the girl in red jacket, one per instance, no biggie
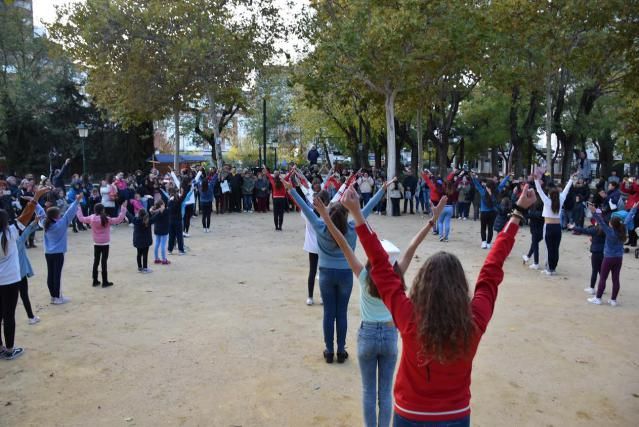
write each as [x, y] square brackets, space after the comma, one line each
[440, 325]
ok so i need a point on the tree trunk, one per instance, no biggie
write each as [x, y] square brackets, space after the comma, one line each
[391, 159]
[549, 119]
[216, 132]
[176, 152]
[420, 142]
[494, 163]
[442, 154]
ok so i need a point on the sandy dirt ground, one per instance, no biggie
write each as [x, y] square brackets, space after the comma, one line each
[222, 337]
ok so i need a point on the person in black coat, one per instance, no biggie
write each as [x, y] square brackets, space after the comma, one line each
[174, 207]
[143, 238]
[236, 181]
[161, 231]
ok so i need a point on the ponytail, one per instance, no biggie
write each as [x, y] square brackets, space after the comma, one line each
[142, 213]
[101, 212]
[4, 229]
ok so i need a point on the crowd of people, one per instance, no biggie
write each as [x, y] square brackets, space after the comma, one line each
[440, 323]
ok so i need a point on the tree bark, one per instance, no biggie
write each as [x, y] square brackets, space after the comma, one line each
[391, 159]
[420, 142]
[176, 152]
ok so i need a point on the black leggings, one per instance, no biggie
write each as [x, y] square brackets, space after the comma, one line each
[205, 210]
[596, 259]
[100, 256]
[312, 272]
[552, 235]
[279, 203]
[537, 235]
[24, 296]
[55, 262]
[487, 220]
[188, 213]
[143, 257]
[8, 304]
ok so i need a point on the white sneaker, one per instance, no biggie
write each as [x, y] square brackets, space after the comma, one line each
[589, 290]
[525, 258]
[146, 270]
[131, 224]
[612, 302]
[488, 246]
[61, 300]
[549, 273]
[35, 320]
[534, 266]
[594, 300]
[309, 301]
[483, 245]
[185, 235]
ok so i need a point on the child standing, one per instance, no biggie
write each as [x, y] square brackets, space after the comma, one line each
[597, 242]
[142, 238]
[55, 246]
[161, 231]
[536, 223]
[613, 254]
[101, 231]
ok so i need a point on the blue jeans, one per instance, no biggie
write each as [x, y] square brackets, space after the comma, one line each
[335, 286]
[377, 355]
[443, 224]
[399, 421]
[248, 202]
[160, 245]
[365, 198]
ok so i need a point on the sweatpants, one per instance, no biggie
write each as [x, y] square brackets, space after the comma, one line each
[610, 265]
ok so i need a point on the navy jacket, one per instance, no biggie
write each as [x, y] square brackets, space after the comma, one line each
[161, 223]
[142, 236]
[598, 240]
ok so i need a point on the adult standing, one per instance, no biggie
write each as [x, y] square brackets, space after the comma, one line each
[313, 155]
[248, 186]
[261, 192]
[235, 181]
[584, 169]
[630, 187]
[57, 179]
[109, 194]
[365, 183]
[410, 186]
[279, 196]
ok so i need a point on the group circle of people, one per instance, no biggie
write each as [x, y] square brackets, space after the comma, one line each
[439, 322]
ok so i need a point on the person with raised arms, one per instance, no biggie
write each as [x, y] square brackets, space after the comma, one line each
[440, 325]
[335, 275]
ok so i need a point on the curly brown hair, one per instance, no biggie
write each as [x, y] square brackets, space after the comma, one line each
[372, 287]
[441, 302]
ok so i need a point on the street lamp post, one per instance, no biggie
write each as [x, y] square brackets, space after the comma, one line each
[274, 144]
[83, 131]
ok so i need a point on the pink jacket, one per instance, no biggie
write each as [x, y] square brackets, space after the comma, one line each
[137, 205]
[101, 234]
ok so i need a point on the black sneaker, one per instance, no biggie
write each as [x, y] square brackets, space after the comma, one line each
[107, 284]
[96, 283]
[328, 356]
[341, 357]
[13, 354]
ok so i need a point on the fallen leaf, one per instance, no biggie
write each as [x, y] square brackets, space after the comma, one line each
[128, 420]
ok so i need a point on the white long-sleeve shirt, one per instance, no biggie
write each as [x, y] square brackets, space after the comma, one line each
[548, 212]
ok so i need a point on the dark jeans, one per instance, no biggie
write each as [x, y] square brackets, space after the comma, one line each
[596, 258]
[610, 265]
[8, 304]
[24, 296]
[406, 202]
[236, 201]
[487, 220]
[111, 212]
[143, 257]
[100, 257]
[335, 287]
[205, 210]
[279, 203]
[365, 198]
[399, 421]
[248, 202]
[552, 235]
[219, 204]
[537, 235]
[463, 209]
[175, 233]
[312, 272]
[55, 262]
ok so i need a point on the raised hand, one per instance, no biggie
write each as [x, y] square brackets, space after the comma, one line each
[318, 204]
[79, 197]
[437, 210]
[527, 197]
[350, 200]
[387, 183]
[287, 184]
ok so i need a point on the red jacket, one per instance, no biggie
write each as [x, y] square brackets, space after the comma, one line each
[632, 192]
[426, 390]
[278, 193]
